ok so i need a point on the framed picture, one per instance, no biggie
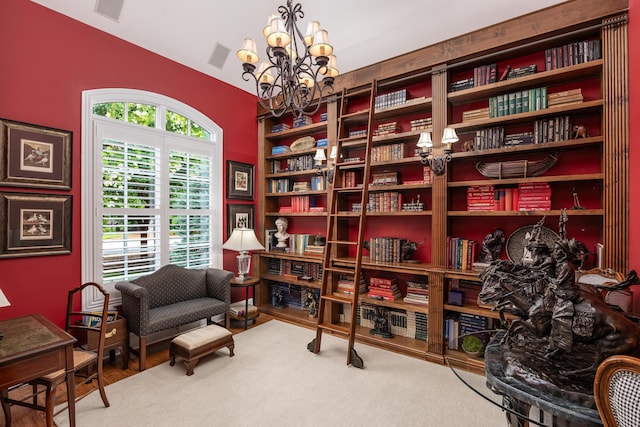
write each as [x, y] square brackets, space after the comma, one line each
[239, 216]
[239, 180]
[34, 224]
[34, 156]
[269, 238]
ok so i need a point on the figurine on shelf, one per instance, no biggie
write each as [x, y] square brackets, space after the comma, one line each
[580, 131]
[381, 324]
[492, 246]
[311, 303]
[281, 235]
[278, 297]
[576, 201]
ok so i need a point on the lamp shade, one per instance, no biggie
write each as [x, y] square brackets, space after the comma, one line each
[267, 29]
[320, 155]
[332, 67]
[247, 52]
[311, 30]
[449, 136]
[425, 140]
[4, 302]
[278, 36]
[321, 46]
[334, 152]
[243, 239]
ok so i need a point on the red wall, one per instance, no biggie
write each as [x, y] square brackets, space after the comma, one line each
[47, 61]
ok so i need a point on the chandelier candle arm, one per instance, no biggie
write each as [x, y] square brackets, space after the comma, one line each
[296, 64]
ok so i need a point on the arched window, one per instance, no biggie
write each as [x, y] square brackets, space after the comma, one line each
[152, 187]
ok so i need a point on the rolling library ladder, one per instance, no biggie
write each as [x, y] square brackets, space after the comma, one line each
[340, 238]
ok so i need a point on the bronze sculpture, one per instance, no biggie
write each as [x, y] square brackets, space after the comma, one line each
[562, 330]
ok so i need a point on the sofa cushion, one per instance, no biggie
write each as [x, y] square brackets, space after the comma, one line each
[172, 284]
[184, 312]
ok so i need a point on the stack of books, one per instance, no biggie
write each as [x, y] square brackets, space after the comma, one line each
[346, 285]
[302, 121]
[417, 293]
[571, 96]
[534, 196]
[386, 129]
[279, 127]
[421, 124]
[280, 149]
[480, 113]
[237, 309]
[383, 288]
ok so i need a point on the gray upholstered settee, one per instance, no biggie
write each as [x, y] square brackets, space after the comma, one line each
[170, 297]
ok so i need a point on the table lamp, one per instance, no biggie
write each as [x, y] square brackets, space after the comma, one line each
[243, 240]
[4, 302]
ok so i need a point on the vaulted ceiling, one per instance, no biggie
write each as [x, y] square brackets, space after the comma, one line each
[205, 34]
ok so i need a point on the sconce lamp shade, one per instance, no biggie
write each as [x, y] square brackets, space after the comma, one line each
[449, 136]
[334, 152]
[425, 140]
[320, 155]
[243, 240]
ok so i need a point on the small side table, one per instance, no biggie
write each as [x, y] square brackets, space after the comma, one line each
[248, 282]
[117, 338]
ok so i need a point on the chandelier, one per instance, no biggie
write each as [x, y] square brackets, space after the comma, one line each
[299, 69]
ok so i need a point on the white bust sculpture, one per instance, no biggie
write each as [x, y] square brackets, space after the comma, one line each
[281, 235]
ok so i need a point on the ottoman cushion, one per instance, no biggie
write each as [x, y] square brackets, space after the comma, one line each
[193, 345]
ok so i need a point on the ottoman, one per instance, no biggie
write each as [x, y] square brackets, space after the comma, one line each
[193, 345]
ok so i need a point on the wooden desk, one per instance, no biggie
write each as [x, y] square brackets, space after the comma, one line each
[33, 347]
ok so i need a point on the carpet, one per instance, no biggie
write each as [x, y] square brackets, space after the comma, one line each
[273, 380]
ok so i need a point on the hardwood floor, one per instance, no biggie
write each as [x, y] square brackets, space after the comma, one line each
[113, 372]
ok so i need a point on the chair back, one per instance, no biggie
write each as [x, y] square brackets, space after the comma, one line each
[81, 324]
[616, 390]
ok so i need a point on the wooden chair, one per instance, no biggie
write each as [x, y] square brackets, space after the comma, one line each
[616, 390]
[86, 364]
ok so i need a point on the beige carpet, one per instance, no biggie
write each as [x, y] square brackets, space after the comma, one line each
[273, 380]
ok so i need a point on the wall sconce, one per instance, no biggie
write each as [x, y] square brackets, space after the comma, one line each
[437, 163]
[319, 158]
[243, 240]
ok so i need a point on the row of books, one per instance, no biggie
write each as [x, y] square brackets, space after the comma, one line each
[552, 129]
[572, 54]
[526, 197]
[349, 179]
[390, 99]
[383, 153]
[421, 124]
[386, 249]
[461, 253]
[459, 325]
[299, 269]
[285, 185]
[293, 164]
[290, 295]
[521, 101]
[383, 201]
[514, 73]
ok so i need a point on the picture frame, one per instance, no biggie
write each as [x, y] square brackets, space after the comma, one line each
[240, 215]
[34, 156]
[268, 238]
[34, 224]
[240, 178]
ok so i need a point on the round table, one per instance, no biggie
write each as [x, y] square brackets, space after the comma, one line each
[248, 282]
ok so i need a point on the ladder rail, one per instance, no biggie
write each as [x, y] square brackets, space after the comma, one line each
[335, 241]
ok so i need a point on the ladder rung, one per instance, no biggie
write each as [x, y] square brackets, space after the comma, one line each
[335, 328]
[338, 297]
[339, 270]
[342, 242]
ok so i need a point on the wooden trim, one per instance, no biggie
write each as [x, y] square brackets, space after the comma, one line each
[615, 87]
[533, 26]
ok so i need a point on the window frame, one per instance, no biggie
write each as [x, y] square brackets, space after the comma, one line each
[92, 182]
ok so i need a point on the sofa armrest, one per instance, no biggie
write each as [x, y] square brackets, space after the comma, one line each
[218, 284]
[135, 306]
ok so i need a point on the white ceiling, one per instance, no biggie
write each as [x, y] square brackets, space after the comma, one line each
[362, 31]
